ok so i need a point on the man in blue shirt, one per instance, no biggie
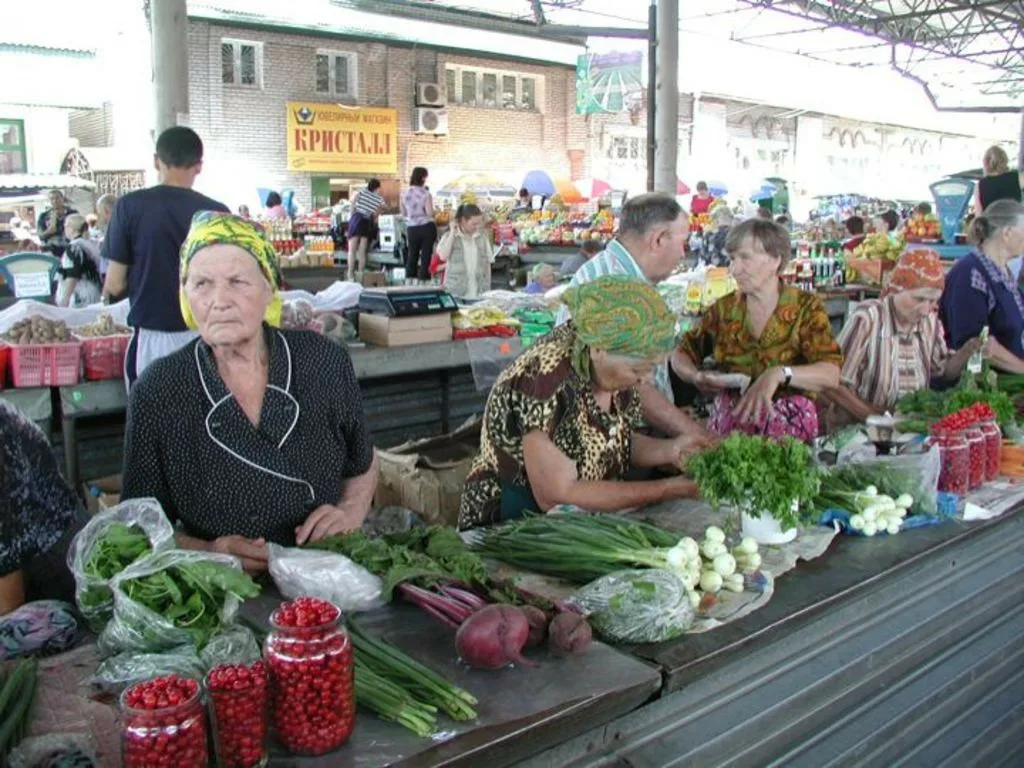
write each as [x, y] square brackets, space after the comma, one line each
[142, 244]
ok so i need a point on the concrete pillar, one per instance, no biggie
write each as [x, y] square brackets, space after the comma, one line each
[1020, 144]
[667, 117]
[169, 30]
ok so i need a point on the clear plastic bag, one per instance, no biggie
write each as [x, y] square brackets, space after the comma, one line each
[918, 472]
[92, 594]
[134, 627]
[326, 575]
[641, 606]
[55, 750]
[235, 645]
[118, 672]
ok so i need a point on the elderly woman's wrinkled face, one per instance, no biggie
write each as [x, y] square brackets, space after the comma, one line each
[613, 373]
[228, 294]
[753, 267]
[917, 304]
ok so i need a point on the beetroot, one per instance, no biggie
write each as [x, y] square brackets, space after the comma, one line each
[569, 633]
[493, 637]
[538, 625]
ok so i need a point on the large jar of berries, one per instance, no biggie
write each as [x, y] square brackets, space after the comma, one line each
[954, 462]
[993, 447]
[163, 722]
[239, 696]
[976, 445]
[312, 697]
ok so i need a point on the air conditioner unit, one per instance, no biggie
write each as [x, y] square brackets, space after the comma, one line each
[430, 120]
[430, 95]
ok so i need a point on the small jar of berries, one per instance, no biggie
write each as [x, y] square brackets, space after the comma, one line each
[312, 694]
[978, 458]
[993, 447]
[163, 722]
[954, 462]
[239, 695]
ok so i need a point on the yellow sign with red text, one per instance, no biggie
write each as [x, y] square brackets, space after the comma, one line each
[329, 138]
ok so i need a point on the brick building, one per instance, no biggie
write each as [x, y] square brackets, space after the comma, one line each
[506, 113]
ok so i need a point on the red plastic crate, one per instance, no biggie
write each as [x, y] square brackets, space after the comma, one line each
[104, 357]
[45, 365]
[3, 365]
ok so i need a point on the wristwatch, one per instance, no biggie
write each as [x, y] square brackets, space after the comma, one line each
[788, 373]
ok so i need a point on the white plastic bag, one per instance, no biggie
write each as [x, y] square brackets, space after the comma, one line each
[73, 317]
[92, 593]
[639, 606]
[326, 575]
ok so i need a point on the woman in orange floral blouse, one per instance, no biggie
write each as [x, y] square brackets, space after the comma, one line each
[777, 335]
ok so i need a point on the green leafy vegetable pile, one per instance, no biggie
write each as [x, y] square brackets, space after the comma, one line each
[758, 475]
[926, 405]
[119, 546]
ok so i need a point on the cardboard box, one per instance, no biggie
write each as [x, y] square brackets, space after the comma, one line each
[427, 476]
[373, 280]
[402, 331]
[102, 493]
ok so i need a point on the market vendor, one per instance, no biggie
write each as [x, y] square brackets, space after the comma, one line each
[560, 422]
[774, 333]
[39, 516]
[249, 434]
[465, 253]
[981, 291]
[895, 345]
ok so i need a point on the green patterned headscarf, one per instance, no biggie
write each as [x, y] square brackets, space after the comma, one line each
[622, 316]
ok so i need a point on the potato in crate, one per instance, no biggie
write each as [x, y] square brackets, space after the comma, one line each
[104, 345]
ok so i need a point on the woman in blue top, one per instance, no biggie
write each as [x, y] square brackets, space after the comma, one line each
[980, 290]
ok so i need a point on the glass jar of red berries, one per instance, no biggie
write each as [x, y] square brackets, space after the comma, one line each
[976, 445]
[239, 695]
[163, 722]
[954, 462]
[312, 698]
[993, 447]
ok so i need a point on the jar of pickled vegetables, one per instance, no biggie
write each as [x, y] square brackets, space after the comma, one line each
[312, 694]
[993, 447]
[163, 722]
[238, 696]
[976, 445]
[954, 461]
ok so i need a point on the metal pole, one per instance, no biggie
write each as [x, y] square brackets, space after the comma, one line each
[667, 134]
[169, 25]
[652, 89]
[1020, 145]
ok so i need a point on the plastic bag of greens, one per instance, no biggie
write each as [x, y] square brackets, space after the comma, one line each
[172, 598]
[642, 606]
[118, 672]
[235, 645]
[110, 542]
[326, 575]
[914, 473]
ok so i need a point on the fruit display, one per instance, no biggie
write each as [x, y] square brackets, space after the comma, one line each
[700, 222]
[103, 325]
[163, 723]
[38, 330]
[548, 228]
[879, 246]
[923, 229]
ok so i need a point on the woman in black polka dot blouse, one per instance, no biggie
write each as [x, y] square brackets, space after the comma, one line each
[249, 434]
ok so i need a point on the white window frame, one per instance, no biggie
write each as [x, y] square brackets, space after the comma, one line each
[353, 73]
[237, 44]
[500, 74]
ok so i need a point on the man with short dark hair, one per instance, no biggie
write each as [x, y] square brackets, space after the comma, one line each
[588, 250]
[143, 243]
[855, 228]
[50, 226]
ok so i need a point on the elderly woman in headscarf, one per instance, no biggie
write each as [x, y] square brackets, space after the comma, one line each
[560, 426]
[895, 345]
[250, 434]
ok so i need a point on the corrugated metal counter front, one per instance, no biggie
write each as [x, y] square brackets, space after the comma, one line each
[891, 651]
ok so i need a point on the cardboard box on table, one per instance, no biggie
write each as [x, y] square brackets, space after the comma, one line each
[402, 331]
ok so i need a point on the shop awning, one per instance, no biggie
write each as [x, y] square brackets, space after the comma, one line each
[23, 184]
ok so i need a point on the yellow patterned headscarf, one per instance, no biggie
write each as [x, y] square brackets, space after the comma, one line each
[622, 316]
[216, 228]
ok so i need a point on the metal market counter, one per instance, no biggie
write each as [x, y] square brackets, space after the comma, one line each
[901, 650]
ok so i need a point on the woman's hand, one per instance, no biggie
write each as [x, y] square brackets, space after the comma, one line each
[254, 553]
[692, 442]
[327, 520]
[755, 406]
[681, 488]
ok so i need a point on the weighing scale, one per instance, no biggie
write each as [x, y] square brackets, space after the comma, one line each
[953, 197]
[406, 302]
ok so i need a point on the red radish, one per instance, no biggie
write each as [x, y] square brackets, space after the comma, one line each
[493, 637]
[538, 625]
[569, 633]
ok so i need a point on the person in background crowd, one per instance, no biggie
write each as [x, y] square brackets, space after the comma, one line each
[888, 222]
[764, 213]
[922, 210]
[855, 230]
[895, 345]
[104, 211]
[524, 202]
[39, 516]
[776, 334]
[142, 244]
[465, 253]
[79, 269]
[981, 292]
[723, 220]
[649, 246]
[365, 208]
[243, 211]
[50, 226]
[417, 207]
[274, 207]
[92, 220]
[999, 183]
[543, 278]
[701, 202]
[232, 462]
[784, 222]
[588, 249]
[561, 425]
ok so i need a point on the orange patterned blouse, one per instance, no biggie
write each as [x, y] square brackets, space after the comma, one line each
[797, 333]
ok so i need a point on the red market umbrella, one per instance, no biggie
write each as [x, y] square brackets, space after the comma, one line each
[681, 188]
[593, 188]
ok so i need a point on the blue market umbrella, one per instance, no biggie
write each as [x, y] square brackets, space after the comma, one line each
[539, 183]
[717, 189]
[765, 190]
